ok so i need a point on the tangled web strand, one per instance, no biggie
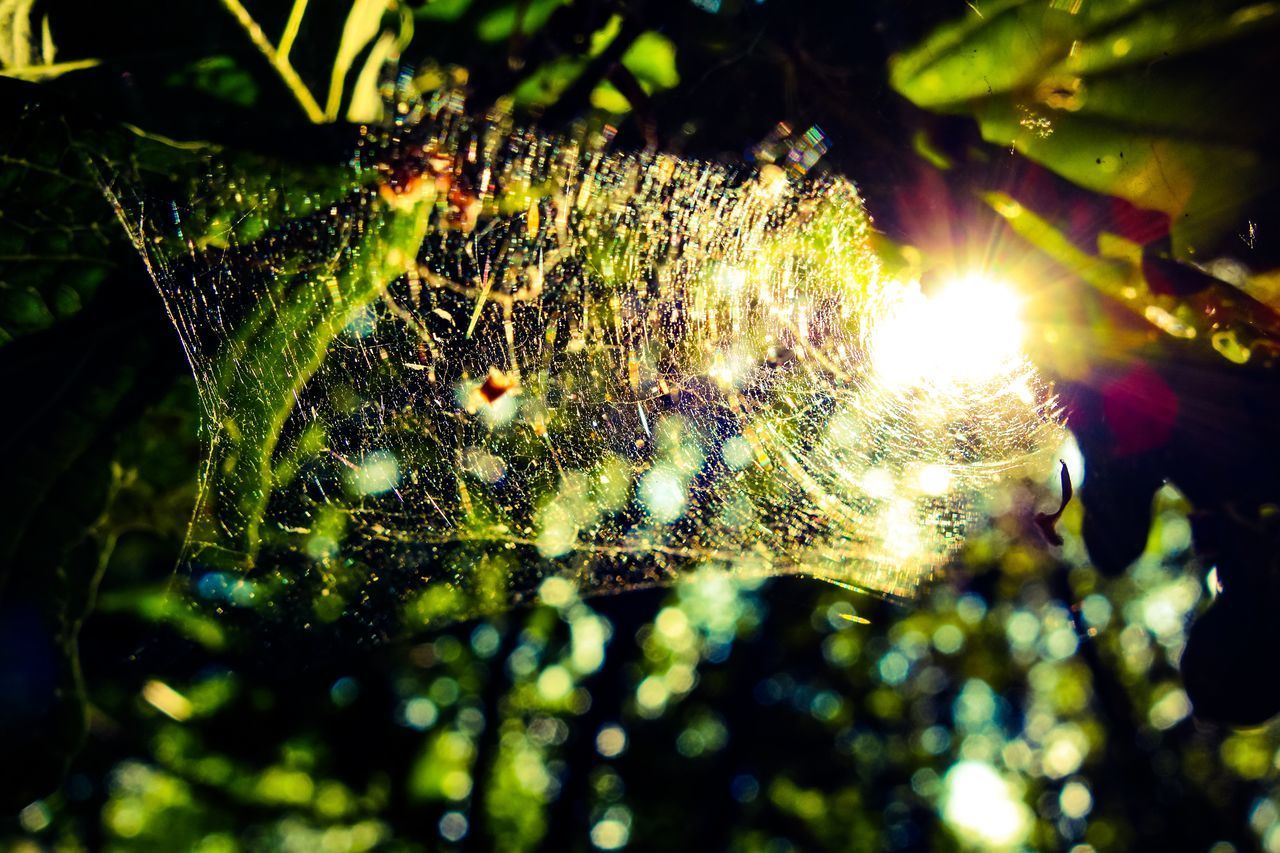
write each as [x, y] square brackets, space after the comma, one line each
[481, 357]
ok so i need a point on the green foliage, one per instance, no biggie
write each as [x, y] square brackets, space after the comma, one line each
[652, 60]
[1154, 102]
[501, 23]
[220, 77]
[54, 245]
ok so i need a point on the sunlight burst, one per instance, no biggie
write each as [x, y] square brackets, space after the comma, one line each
[969, 333]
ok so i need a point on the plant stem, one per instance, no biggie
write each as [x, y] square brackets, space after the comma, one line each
[291, 28]
[278, 59]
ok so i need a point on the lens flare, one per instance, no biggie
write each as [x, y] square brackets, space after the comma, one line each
[969, 333]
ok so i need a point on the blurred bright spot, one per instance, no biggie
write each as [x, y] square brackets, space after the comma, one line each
[841, 649]
[1263, 815]
[672, 623]
[1017, 755]
[826, 706]
[736, 452]
[839, 615]
[982, 807]
[679, 678]
[611, 741]
[894, 667]
[35, 817]
[935, 740]
[1169, 710]
[976, 705]
[344, 691]
[1022, 628]
[376, 473]
[221, 586]
[948, 639]
[554, 683]
[558, 531]
[321, 546]
[1064, 751]
[556, 591]
[363, 322]
[453, 826]
[285, 786]
[706, 734]
[970, 332]
[484, 466]
[589, 633]
[652, 696]
[420, 713]
[612, 832]
[1075, 800]
[613, 483]
[1163, 610]
[934, 480]
[456, 784]
[470, 720]
[485, 640]
[663, 493]
[166, 700]
[900, 529]
[877, 483]
[1096, 609]
[1061, 643]
[1248, 753]
[731, 368]
[730, 281]
[444, 691]
[971, 608]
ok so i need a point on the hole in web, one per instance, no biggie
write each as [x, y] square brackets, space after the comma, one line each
[479, 358]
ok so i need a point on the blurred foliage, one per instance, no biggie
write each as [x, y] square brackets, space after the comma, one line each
[1076, 87]
[1032, 699]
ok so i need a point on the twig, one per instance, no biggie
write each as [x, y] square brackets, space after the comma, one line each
[47, 70]
[291, 28]
[279, 60]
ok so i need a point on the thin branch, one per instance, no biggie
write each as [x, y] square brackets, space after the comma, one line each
[45, 71]
[291, 28]
[278, 61]
[360, 29]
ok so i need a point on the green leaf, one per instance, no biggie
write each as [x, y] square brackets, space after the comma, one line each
[549, 81]
[501, 23]
[28, 52]
[220, 77]
[651, 59]
[442, 10]
[363, 24]
[1119, 97]
[54, 248]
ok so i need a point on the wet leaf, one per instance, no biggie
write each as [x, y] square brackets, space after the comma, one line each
[1117, 98]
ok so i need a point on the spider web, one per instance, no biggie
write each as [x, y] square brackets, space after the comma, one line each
[479, 359]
